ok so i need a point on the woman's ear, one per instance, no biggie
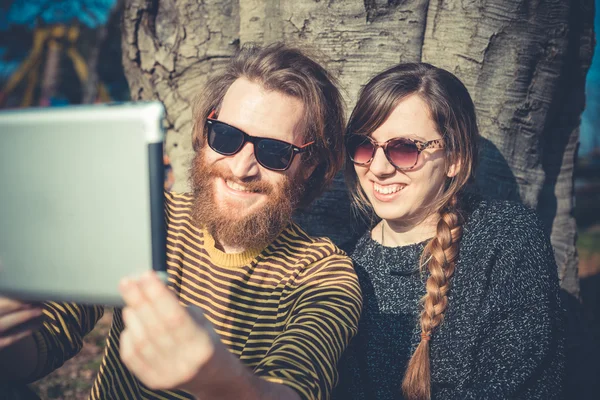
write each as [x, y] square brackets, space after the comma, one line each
[453, 169]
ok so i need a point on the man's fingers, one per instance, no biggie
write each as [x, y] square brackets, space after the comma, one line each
[157, 291]
[132, 358]
[16, 318]
[12, 339]
[164, 343]
[131, 293]
[146, 313]
[141, 338]
[9, 305]
[173, 315]
[144, 303]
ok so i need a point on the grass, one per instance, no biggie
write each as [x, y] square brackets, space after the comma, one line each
[589, 242]
[588, 247]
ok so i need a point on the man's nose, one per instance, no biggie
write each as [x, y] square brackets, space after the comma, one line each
[243, 164]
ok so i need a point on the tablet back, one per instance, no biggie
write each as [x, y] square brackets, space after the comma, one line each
[81, 200]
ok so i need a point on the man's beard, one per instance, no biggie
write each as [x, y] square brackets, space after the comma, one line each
[252, 231]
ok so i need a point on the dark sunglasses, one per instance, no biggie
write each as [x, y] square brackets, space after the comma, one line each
[272, 154]
[402, 153]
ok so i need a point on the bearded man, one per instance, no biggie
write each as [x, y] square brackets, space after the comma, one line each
[254, 307]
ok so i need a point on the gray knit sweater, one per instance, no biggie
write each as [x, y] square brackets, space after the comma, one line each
[502, 336]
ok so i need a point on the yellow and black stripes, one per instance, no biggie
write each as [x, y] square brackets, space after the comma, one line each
[62, 335]
[287, 311]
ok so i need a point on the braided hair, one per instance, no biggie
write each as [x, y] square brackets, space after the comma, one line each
[453, 112]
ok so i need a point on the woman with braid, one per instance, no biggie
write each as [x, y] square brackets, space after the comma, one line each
[460, 292]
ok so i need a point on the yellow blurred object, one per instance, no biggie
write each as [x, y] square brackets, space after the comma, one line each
[46, 38]
[31, 84]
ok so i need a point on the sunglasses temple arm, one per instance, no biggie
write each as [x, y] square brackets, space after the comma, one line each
[304, 146]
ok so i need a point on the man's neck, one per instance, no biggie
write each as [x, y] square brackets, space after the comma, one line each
[228, 249]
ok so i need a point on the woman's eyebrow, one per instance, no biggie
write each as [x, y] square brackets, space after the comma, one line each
[408, 135]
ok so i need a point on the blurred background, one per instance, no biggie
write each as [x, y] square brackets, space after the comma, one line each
[57, 53]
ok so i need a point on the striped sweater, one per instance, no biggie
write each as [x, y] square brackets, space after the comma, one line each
[286, 311]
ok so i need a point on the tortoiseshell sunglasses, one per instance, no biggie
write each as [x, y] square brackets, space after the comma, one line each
[402, 153]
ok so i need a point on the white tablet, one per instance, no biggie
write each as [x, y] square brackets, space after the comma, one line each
[81, 200]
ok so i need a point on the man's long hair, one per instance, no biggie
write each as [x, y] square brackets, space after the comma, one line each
[287, 70]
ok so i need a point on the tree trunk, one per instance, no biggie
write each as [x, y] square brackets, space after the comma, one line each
[524, 63]
[169, 52]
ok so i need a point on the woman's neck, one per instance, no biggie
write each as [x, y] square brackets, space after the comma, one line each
[399, 233]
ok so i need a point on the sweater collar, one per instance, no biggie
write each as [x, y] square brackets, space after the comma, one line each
[228, 260]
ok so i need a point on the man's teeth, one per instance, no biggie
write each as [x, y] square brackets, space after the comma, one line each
[237, 186]
[388, 189]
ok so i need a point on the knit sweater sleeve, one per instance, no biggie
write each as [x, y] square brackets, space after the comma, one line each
[520, 349]
[61, 337]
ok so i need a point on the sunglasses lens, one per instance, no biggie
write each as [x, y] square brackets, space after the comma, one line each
[224, 139]
[403, 153]
[274, 154]
[270, 153]
[360, 149]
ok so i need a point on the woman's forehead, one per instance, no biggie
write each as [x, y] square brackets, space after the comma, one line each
[410, 118]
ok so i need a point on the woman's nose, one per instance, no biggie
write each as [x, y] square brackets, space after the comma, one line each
[380, 165]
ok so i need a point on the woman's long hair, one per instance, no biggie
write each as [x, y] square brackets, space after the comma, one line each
[453, 112]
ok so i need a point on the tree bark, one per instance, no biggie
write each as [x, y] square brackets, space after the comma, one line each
[524, 63]
[169, 52]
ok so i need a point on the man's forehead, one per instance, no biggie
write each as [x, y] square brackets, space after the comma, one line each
[250, 106]
[244, 92]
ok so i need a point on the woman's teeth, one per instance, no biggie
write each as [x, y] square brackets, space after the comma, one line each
[388, 189]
